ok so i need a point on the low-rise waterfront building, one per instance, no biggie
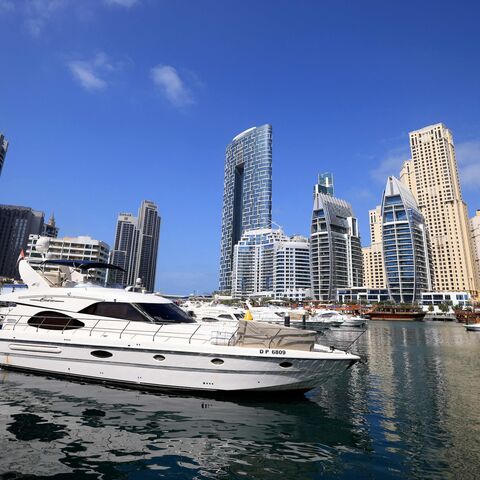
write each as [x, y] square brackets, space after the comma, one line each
[455, 299]
[362, 295]
[68, 248]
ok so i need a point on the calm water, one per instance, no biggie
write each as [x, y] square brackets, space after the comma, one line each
[412, 411]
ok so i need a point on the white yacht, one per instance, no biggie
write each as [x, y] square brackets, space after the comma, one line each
[213, 312]
[472, 327]
[66, 327]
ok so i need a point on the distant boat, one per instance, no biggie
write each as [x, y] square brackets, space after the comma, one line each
[396, 312]
[472, 327]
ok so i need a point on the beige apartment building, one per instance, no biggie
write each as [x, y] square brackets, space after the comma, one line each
[373, 270]
[475, 227]
[432, 177]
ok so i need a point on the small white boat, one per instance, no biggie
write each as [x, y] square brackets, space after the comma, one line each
[472, 327]
[138, 339]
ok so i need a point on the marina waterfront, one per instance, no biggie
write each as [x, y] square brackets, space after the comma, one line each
[410, 411]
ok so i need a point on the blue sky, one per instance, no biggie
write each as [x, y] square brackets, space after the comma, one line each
[108, 102]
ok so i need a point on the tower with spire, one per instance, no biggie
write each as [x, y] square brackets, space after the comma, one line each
[50, 229]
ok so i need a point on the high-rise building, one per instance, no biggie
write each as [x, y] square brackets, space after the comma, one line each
[16, 224]
[136, 247]
[68, 248]
[324, 184]
[268, 263]
[148, 238]
[335, 248]
[475, 227]
[124, 252]
[3, 150]
[407, 176]
[406, 246]
[437, 191]
[247, 192]
[50, 229]
[373, 270]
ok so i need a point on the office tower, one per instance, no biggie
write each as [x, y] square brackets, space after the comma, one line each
[3, 150]
[247, 192]
[406, 246]
[268, 263]
[136, 247]
[475, 228]
[50, 229]
[373, 270]
[335, 248]
[124, 251]
[439, 197]
[148, 238]
[68, 248]
[16, 224]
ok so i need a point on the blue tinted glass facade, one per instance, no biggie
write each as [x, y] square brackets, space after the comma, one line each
[247, 192]
[406, 249]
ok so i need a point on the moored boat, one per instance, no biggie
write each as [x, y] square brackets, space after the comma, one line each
[143, 340]
[396, 312]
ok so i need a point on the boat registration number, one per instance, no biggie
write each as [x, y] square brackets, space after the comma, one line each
[272, 352]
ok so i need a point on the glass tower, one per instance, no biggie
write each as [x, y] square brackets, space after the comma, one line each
[247, 192]
[336, 252]
[406, 246]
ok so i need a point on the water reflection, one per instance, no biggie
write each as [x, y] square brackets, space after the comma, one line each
[409, 412]
[53, 426]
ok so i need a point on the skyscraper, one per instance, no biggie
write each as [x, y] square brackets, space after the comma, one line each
[406, 245]
[247, 192]
[3, 150]
[136, 247]
[50, 229]
[373, 271]
[437, 190]
[335, 248]
[16, 224]
[475, 227]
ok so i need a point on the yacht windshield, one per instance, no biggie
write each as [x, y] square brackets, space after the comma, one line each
[165, 313]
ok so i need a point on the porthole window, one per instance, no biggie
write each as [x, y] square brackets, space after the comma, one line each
[159, 358]
[286, 364]
[54, 321]
[101, 354]
[217, 361]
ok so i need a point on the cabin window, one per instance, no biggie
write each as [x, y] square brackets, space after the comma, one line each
[54, 321]
[165, 313]
[225, 316]
[101, 354]
[124, 311]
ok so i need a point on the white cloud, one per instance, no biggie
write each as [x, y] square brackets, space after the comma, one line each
[390, 165]
[122, 3]
[167, 79]
[38, 12]
[468, 158]
[92, 74]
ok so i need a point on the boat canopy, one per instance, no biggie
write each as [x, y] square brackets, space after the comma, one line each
[83, 264]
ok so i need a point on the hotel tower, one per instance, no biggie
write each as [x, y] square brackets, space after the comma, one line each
[432, 176]
[247, 193]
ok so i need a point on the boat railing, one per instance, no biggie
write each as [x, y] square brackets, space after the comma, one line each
[106, 327]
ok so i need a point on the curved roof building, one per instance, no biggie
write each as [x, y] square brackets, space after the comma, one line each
[406, 247]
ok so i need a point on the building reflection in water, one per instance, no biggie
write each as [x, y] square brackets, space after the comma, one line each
[409, 412]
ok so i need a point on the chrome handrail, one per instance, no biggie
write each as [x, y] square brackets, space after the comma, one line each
[120, 336]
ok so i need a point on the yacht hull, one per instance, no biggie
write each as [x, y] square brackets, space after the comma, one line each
[139, 367]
